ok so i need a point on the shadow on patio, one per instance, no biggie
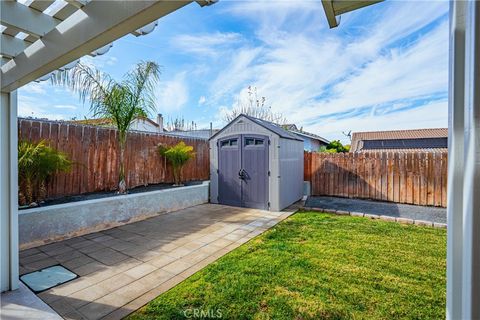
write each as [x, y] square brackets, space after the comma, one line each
[123, 268]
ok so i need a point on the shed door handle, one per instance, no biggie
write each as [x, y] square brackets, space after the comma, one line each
[241, 174]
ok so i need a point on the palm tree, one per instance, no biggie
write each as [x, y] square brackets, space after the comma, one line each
[119, 101]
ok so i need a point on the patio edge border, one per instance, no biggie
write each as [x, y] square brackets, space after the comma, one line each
[380, 217]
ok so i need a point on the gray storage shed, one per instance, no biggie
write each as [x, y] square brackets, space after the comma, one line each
[255, 164]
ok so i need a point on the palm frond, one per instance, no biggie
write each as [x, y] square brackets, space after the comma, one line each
[90, 84]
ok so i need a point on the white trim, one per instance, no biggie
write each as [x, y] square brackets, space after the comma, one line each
[463, 210]
[14, 254]
[455, 159]
[471, 182]
[8, 192]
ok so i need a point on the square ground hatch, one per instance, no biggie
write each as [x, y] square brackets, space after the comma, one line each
[47, 278]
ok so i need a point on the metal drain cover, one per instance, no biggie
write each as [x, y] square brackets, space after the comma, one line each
[47, 278]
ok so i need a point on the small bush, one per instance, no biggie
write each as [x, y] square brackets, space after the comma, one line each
[334, 147]
[178, 155]
[37, 164]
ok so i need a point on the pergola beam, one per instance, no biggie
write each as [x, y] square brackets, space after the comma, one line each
[99, 23]
[22, 18]
[334, 8]
[341, 7]
[11, 46]
[330, 13]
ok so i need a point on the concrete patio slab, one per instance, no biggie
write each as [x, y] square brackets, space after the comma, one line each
[24, 304]
[123, 268]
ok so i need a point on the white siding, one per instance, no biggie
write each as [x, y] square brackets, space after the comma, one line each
[143, 125]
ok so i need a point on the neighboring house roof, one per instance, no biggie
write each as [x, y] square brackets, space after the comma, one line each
[293, 128]
[401, 140]
[290, 126]
[267, 125]
[200, 133]
[109, 122]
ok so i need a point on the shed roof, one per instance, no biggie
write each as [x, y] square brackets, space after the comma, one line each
[293, 128]
[278, 130]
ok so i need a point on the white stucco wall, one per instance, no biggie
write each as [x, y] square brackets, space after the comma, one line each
[45, 224]
[144, 125]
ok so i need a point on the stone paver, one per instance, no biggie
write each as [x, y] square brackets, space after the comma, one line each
[397, 210]
[123, 268]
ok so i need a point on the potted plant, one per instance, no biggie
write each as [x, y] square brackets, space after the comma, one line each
[178, 155]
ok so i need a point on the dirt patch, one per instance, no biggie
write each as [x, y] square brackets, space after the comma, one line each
[106, 194]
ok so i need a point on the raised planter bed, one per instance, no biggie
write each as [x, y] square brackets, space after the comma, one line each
[57, 222]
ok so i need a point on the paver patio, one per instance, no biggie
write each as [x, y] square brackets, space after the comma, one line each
[123, 268]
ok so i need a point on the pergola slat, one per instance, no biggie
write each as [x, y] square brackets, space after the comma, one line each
[10, 32]
[22, 18]
[11, 46]
[65, 12]
[41, 5]
[102, 24]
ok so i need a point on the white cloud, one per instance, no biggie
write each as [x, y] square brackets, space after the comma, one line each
[209, 44]
[433, 115]
[240, 70]
[36, 87]
[173, 95]
[65, 106]
[100, 62]
[307, 72]
[36, 108]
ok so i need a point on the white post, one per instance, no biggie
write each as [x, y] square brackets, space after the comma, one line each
[456, 127]
[463, 248]
[8, 192]
[471, 182]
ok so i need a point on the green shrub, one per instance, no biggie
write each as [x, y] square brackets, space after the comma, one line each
[178, 155]
[37, 164]
[334, 147]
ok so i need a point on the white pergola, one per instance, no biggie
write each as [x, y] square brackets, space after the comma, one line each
[37, 38]
[463, 209]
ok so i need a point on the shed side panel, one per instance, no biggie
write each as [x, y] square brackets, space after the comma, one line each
[291, 172]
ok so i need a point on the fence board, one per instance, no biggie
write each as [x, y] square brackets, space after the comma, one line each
[94, 153]
[414, 177]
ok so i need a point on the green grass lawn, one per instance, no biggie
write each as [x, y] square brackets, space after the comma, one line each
[319, 266]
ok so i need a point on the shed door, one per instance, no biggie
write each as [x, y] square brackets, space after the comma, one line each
[229, 165]
[243, 171]
[255, 171]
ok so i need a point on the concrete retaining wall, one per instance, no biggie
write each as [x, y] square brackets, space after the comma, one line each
[52, 223]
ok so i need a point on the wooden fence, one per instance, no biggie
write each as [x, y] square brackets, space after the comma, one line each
[94, 153]
[413, 178]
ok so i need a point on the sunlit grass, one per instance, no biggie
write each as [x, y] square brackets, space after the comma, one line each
[319, 266]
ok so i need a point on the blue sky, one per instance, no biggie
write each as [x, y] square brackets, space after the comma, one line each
[383, 68]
